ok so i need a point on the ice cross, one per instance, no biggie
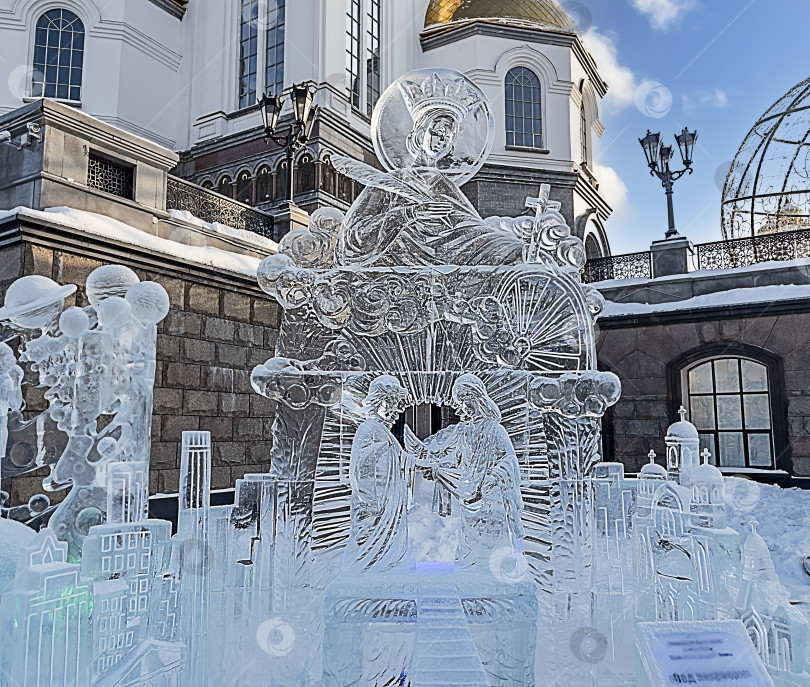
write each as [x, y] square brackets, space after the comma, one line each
[541, 204]
[651, 456]
[682, 413]
[753, 524]
[706, 455]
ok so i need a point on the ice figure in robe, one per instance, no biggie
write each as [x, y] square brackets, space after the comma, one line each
[11, 398]
[474, 461]
[437, 134]
[380, 475]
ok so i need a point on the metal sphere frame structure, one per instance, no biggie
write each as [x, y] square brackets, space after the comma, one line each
[767, 190]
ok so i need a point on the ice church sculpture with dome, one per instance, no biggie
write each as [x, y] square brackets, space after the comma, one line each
[499, 552]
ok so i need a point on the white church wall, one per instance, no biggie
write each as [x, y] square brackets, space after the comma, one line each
[131, 65]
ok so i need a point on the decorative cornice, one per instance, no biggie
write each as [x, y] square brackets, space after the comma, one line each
[442, 35]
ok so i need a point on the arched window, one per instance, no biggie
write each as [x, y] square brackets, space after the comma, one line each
[524, 119]
[734, 396]
[592, 248]
[328, 174]
[225, 187]
[207, 185]
[281, 180]
[306, 174]
[345, 188]
[583, 134]
[264, 185]
[244, 188]
[58, 56]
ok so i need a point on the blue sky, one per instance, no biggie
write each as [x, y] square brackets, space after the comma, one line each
[724, 62]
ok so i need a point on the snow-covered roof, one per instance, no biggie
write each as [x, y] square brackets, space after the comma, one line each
[759, 294]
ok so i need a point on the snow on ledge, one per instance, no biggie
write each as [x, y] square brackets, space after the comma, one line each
[101, 225]
[758, 294]
[217, 228]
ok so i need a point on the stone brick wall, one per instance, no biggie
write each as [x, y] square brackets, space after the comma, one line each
[640, 350]
[218, 329]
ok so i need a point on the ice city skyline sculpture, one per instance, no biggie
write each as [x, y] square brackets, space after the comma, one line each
[498, 552]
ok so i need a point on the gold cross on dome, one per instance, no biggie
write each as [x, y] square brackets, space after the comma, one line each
[543, 202]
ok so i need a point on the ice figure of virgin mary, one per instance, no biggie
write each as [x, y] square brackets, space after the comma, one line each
[474, 462]
[432, 131]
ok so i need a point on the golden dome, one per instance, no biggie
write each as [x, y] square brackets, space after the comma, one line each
[545, 12]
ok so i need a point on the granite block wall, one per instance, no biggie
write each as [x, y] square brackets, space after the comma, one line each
[640, 353]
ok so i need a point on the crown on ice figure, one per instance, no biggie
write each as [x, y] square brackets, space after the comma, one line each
[436, 93]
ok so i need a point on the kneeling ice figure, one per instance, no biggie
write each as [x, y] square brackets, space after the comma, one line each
[474, 461]
[380, 474]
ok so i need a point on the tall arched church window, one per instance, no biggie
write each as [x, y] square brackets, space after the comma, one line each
[363, 49]
[306, 174]
[524, 119]
[274, 69]
[264, 185]
[58, 56]
[261, 49]
[248, 51]
[345, 188]
[583, 134]
[735, 405]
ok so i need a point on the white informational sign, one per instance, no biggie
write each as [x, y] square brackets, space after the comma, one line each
[707, 654]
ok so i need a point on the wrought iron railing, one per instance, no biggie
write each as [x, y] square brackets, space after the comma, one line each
[723, 255]
[630, 266]
[214, 207]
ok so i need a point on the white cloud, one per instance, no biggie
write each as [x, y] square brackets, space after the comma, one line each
[715, 98]
[613, 189]
[621, 80]
[664, 13]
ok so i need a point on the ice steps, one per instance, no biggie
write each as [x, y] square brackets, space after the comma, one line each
[445, 654]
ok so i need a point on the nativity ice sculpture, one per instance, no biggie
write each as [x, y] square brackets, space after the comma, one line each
[412, 289]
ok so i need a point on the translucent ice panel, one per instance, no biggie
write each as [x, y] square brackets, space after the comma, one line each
[732, 452]
[757, 412]
[700, 379]
[754, 376]
[729, 412]
[703, 412]
[759, 450]
[727, 375]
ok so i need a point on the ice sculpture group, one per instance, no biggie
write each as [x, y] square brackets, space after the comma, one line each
[499, 552]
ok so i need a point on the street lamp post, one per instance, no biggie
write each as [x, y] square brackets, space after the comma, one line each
[300, 128]
[658, 156]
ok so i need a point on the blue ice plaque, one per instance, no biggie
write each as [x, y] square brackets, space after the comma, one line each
[706, 654]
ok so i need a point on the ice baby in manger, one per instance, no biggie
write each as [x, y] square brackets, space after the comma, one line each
[432, 131]
[473, 462]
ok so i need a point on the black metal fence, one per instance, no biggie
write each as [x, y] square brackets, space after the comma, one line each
[723, 255]
[630, 266]
[210, 206]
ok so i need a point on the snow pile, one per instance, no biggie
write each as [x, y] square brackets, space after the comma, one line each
[217, 228]
[100, 225]
[14, 537]
[784, 523]
[759, 294]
